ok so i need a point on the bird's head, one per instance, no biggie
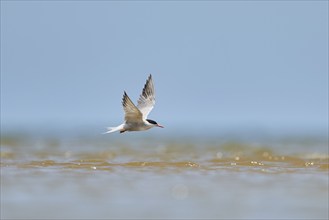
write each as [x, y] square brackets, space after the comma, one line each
[154, 123]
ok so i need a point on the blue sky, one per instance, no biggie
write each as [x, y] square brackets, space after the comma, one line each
[216, 64]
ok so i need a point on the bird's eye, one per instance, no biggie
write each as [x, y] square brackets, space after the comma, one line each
[151, 121]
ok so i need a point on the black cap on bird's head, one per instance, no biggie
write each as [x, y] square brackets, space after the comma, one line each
[154, 123]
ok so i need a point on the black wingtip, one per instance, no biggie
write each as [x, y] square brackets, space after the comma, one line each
[124, 94]
[149, 79]
[124, 98]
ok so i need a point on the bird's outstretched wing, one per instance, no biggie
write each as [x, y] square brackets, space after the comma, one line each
[146, 100]
[132, 113]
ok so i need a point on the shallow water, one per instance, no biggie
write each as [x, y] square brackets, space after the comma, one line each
[167, 178]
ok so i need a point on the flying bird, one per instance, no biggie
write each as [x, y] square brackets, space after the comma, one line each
[136, 116]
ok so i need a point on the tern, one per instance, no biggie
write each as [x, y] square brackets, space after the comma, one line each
[136, 116]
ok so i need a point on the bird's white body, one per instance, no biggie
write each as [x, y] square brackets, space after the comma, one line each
[131, 127]
[136, 117]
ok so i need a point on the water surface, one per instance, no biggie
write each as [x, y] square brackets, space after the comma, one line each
[84, 178]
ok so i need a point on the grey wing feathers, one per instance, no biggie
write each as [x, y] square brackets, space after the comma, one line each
[132, 114]
[146, 100]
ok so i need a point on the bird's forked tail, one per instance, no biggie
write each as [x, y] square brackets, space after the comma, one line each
[114, 129]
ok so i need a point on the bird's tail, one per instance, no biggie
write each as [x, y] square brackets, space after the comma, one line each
[114, 129]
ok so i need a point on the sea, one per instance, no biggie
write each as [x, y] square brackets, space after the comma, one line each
[147, 175]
